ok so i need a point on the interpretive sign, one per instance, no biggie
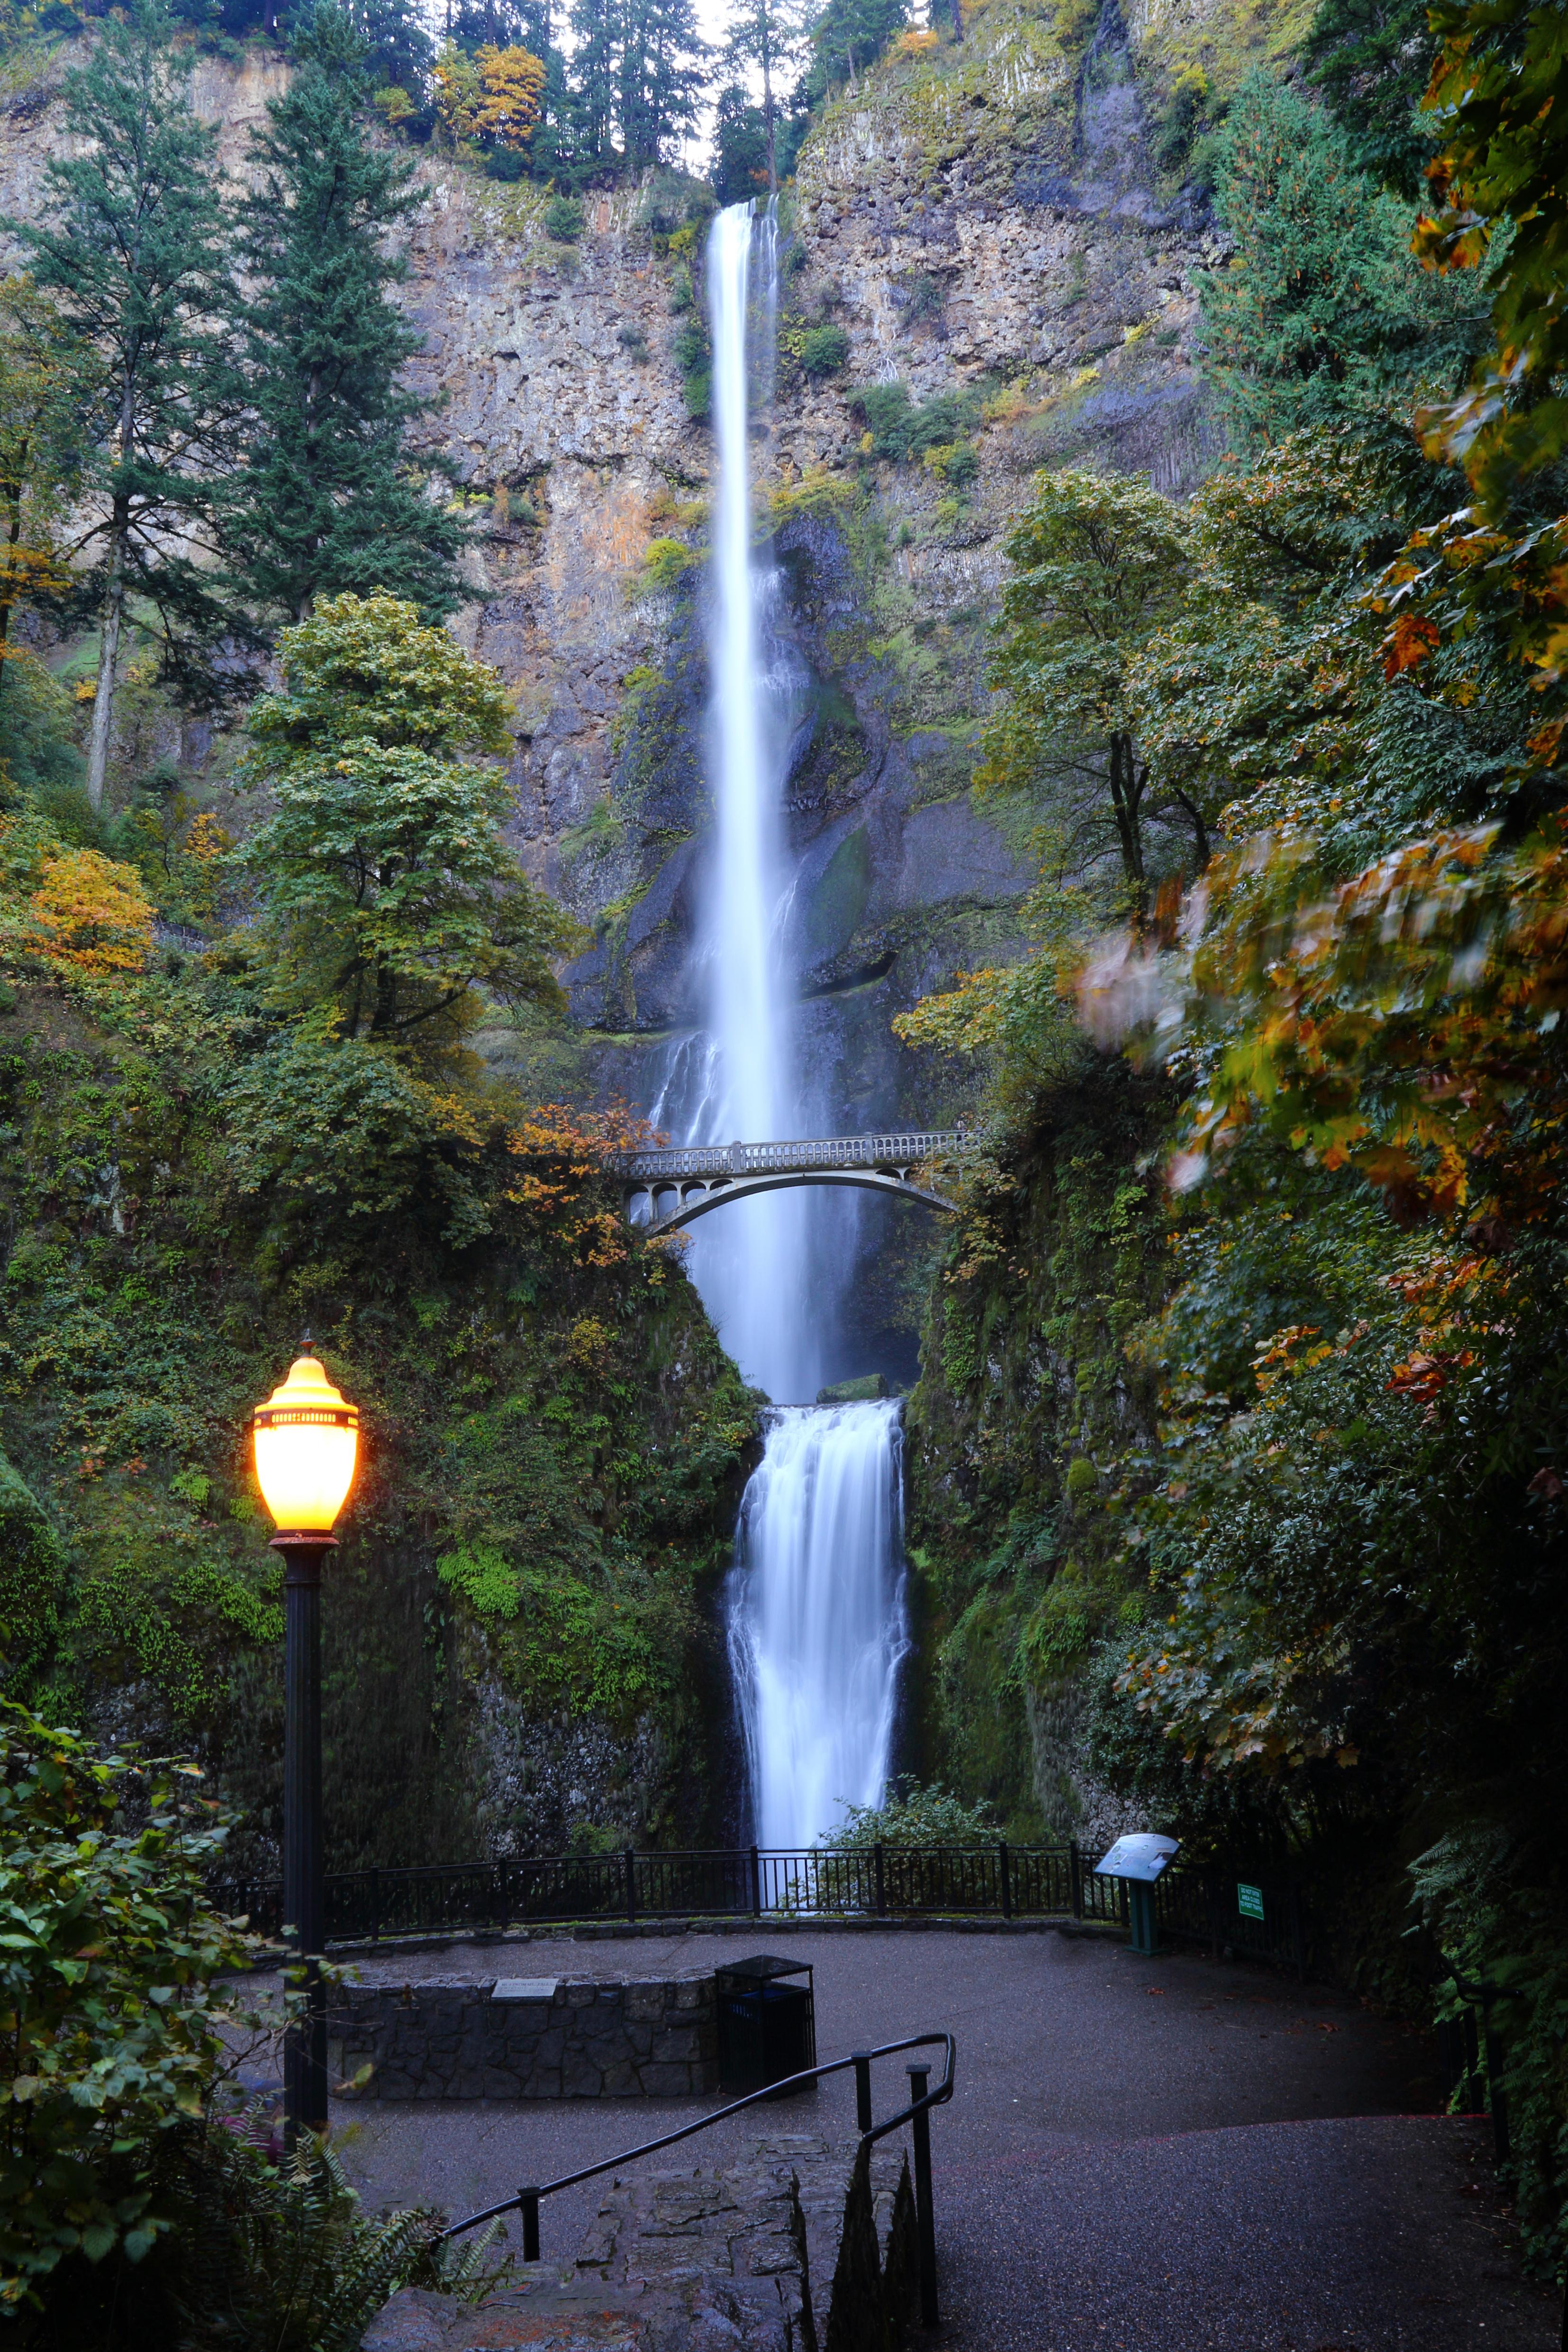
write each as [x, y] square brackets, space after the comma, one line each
[524, 1988]
[1249, 1901]
[1141, 1858]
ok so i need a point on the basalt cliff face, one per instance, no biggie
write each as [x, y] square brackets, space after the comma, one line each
[1005, 225]
[987, 220]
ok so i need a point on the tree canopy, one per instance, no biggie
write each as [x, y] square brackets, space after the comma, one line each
[383, 869]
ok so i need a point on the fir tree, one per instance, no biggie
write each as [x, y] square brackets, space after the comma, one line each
[847, 37]
[1324, 318]
[132, 246]
[332, 499]
[597, 41]
[661, 78]
[1372, 59]
[765, 36]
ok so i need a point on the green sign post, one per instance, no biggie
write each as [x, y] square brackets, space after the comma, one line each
[1250, 1902]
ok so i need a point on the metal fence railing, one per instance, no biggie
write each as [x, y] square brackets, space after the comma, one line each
[1197, 1903]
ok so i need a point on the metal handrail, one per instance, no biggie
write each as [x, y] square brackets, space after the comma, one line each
[527, 2200]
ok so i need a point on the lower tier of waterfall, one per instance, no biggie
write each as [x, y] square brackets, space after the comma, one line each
[817, 1621]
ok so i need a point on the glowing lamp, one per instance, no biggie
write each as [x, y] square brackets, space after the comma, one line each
[306, 1437]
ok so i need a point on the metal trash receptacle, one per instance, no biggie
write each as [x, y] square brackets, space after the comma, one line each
[767, 2027]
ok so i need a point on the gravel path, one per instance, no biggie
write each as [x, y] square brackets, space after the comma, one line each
[1172, 2153]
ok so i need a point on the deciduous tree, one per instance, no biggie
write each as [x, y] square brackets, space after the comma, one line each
[1097, 562]
[388, 887]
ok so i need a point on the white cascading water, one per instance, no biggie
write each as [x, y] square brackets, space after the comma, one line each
[817, 1623]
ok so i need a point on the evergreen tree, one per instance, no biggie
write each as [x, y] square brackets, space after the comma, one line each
[768, 37]
[1323, 317]
[1372, 59]
[398, 48]
[740, 146]
[596, 26]
[132, 246]
[848, 36]
[661, 78]
[332, 499]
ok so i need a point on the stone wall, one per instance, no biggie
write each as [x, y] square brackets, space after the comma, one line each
[526, 2038]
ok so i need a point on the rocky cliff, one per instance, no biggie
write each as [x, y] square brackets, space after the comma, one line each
[1003, 224]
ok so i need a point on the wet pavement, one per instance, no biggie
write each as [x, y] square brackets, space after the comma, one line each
[1178, 2152]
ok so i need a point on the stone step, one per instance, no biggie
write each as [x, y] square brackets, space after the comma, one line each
[802, 2246]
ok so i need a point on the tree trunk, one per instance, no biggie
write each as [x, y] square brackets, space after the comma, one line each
[312, 396]
[1126, 791]
[767, 118]
[113, 608]
[10, 591]
[108, 656]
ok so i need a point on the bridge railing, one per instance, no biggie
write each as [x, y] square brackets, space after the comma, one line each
[891, 1151]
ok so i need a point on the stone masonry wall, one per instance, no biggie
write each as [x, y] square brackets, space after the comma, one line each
[548, 2038]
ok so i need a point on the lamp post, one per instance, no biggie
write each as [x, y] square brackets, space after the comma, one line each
[306, 1437]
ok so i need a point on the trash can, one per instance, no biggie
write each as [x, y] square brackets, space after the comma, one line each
[766, 2026]
[1137, 1861]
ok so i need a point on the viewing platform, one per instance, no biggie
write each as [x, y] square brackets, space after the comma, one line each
[664, 1190]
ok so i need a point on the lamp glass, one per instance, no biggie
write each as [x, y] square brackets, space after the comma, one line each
[306, 1438]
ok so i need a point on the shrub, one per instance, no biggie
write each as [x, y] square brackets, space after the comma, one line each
[953, 461]
[695, 360]
[563, 219]
[899, 430]
[913, 1815]
[824, 351]
[110, 2037]
[664, 566]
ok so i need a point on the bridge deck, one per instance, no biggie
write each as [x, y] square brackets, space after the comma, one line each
[823, 1153]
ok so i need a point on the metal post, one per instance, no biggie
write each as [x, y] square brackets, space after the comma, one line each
[881, 1883]
[1007, 1881]
[920, 2132]
[1075, 1867]
[375, 1906]
[1496, 2096]
[530, 2201]
[305, 2041]
[863, 2091]
[630, 1859]
[755, 1886]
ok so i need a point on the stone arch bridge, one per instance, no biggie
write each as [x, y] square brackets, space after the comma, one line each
[662, 1191]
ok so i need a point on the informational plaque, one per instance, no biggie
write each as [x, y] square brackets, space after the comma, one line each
[1141, 1858]
[524, 1988]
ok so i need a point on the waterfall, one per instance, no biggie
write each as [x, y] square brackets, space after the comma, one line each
[815, 1600]
[817, 1621]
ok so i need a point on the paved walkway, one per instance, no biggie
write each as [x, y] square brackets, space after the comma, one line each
[1140, 2156]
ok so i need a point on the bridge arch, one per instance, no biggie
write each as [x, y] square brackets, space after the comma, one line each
[671, 1189]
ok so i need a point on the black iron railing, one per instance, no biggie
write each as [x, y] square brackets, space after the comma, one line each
[871, 1882]
[917, 2114]
[1194, 1903]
